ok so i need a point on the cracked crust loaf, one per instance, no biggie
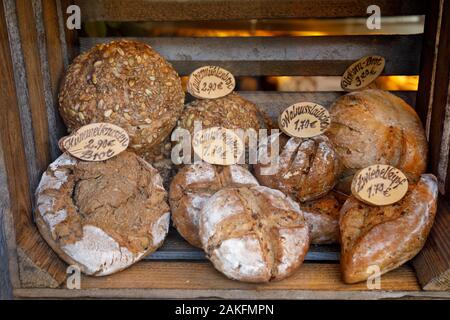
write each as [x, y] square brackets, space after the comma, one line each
[102, 216]
[128, 84]
[193, 186]
[386, 236]
[254, 234]
[307, 169]
[376, 127]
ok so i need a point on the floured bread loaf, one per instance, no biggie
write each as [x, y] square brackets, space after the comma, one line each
[376, 127]
[306, 169]
[254, 234]
[126, 83]
[386, 236]
[102, 216]
[322, 216]
[193, 186]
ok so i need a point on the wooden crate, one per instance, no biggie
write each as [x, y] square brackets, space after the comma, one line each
[36, 48]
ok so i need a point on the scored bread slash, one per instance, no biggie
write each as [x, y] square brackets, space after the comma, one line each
[218, 145]
[95, 142]
[304, 120]
[210, 82]
[379, 185]
[362, 73]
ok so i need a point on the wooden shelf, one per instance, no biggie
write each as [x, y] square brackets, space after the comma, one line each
[151, 279]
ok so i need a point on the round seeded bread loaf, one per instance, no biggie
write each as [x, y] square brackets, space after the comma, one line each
[126, 83]
[193, 186]
[386, 236]
[102, 216]
[254, 234]
[376, 127]
[229, 112]
[306, 169]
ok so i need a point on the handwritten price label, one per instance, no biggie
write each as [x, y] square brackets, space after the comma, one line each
[218, 146]
[96, 142]
[362, 73]
[379, 185]
[304, 120]
[210, 82]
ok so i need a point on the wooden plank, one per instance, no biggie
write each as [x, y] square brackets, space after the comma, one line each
[309, 56]
[53, 71]
[32, 249]
[202, 275]
[176, 10]
[7, 246]
[36, 100]
[176, 248]
[225, 294]
[432, 265]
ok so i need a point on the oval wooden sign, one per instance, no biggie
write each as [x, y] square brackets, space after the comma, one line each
[96, 142]
[363, 72]
[210, 82]
[379, 185]
[304, 120]
[218, 146]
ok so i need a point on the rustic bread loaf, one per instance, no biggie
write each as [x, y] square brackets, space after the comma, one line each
[376, 127]
[386, 236]
[126, 83]
[193, 186]
[306, 168]
[254, 234]
[322, 216]
[159, 156]
[230, 112]
[102, 216]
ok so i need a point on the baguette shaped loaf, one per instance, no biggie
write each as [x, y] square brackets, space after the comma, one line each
[193, 186]
[254, 234]
[386, 236]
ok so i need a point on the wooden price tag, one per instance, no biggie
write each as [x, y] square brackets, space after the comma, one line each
[379, 185]
[210, 82]
[304, 120]
[95, 142]
[363, 72]
[218, 146]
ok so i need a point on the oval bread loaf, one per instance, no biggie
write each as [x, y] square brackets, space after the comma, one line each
[386, 236]
[102, 216]
[376, 127]
[193, 186]
[306, 169]
[126, 83]
[254, 234]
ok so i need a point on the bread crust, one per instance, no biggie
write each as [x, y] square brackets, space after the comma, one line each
[254, 234]
[376, 127]
[193, 185]
[322, 216]
[102, 216]
[386, 236]
[126, 83]
[230, 112]
[307, 169]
